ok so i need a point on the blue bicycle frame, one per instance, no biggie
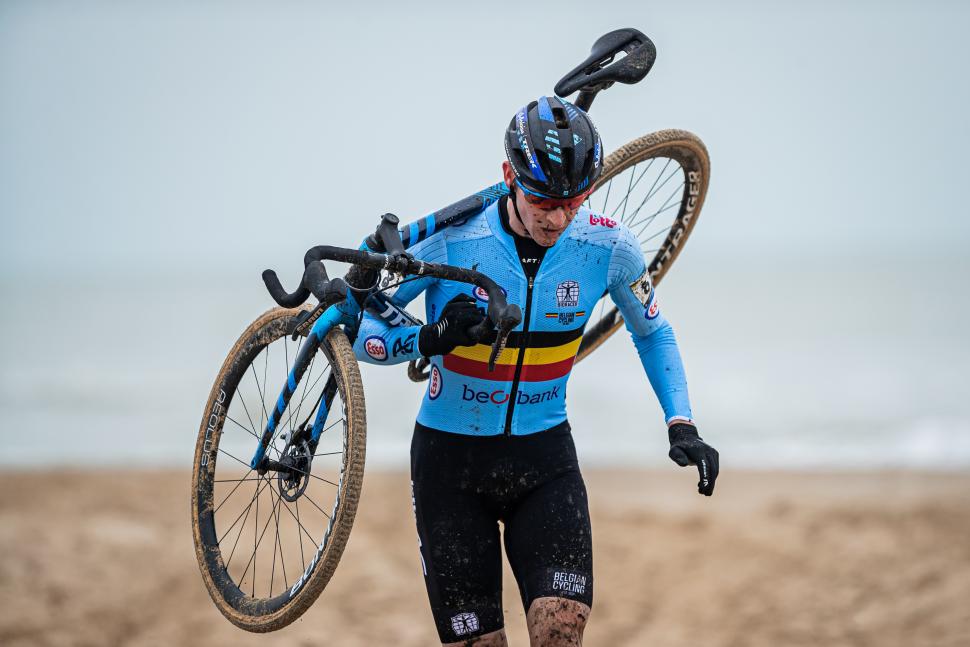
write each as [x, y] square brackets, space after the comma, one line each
[347, 311]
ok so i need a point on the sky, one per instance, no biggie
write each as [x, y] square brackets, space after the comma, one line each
[231, 133]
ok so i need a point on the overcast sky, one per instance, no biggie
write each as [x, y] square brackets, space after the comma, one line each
[194, 134]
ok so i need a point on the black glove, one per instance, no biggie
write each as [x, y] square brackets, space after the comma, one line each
[687, 448]
[452, 328]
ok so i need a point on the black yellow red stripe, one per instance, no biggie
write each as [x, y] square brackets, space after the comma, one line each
[550, 355]
[555, 315]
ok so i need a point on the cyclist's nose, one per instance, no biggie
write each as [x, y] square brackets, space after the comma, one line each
[557, 218]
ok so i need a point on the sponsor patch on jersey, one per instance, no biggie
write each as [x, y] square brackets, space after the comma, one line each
[642, 288]
[435, 384]
[479, 293]
[565, 318]
[567, 294]
[601, 220]
[653, 309]
[375, 347]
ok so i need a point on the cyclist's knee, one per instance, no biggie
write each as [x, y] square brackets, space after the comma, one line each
[493, 639]
[556, 622]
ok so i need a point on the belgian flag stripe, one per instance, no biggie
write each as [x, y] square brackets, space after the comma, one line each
[506, 372]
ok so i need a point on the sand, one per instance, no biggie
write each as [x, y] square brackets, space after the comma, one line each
[90, 558]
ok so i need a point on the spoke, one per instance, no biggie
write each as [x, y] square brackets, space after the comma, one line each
[315, 505]
[300, 536]
[654, 185]
[262, 398]
[609, 187]
[313, 476]
[256, 543]
[667, 205]
[303, 528]
[286, 580]
[246, 409]
[655, 189]
[286, 371]
[633, 185]
[246, 465]
[300, 404]
[233, 489]
[235, 480]
[259, 488]
[248, 431]
[647, 224]
[306, 383]
[277, 543]
[278, 453]
[327, 454]
[627, 196]
[667, 201]
[265, 381]
[662, 231]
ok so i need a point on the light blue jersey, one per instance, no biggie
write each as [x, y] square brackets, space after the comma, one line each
[526, 392]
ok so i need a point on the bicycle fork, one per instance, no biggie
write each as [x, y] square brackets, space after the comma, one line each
[344, 313]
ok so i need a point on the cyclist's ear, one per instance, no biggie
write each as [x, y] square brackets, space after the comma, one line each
[508, 174]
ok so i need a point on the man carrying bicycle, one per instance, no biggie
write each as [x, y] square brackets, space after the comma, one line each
[494, 446]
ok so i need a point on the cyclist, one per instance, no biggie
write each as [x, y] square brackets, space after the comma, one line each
[495, 446]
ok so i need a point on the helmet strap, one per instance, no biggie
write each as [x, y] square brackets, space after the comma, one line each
[515, 207]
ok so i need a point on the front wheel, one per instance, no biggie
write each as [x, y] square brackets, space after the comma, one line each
[267, 543]
[656, 186]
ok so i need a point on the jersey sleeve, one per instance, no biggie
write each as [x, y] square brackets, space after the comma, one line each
[633, 293]
[387, 333]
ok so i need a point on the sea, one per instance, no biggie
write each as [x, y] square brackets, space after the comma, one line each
[792, 364]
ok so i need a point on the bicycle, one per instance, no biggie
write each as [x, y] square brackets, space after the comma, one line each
[319, 461]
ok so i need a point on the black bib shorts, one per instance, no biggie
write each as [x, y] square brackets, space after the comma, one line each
[462, 487]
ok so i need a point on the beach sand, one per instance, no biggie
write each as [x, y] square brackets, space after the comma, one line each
[106, 558]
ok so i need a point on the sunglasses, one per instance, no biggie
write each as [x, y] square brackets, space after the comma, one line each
[545, 202]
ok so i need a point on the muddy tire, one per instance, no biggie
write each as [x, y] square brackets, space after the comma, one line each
[668, 173]
[266, 548]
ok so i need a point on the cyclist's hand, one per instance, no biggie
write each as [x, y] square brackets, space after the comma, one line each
[687, 448]
[452, 328]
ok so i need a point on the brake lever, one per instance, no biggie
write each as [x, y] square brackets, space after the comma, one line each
[498, 345]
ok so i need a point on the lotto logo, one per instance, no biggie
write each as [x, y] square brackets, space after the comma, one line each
[601, 220]
[376, 348]
[434, 383]
[464, 623]
[653, 310]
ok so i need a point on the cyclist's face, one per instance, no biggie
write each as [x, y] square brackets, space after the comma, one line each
[544, 223]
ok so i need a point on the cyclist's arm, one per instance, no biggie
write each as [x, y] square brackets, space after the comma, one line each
[632, 291]
[387, 334]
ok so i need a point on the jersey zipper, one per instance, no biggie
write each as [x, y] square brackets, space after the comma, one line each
[523, 345]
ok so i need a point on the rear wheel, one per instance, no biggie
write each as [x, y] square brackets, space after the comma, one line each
[656, 186]
[267, 544]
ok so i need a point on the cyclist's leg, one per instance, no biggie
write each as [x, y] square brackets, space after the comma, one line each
[549, 545]
[459, 541]
[556, 622]
[494, 639]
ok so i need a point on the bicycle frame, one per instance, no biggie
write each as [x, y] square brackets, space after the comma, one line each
[598, 72]
[348, 311]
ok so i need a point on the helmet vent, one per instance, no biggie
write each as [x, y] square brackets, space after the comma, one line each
[562, 121]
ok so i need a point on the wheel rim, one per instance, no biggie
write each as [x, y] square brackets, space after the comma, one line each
[266, 533]
[657, 195]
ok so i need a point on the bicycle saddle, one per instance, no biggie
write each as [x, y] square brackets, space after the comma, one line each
[599, 71]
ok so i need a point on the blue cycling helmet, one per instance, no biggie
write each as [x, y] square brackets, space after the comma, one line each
[554, 148]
